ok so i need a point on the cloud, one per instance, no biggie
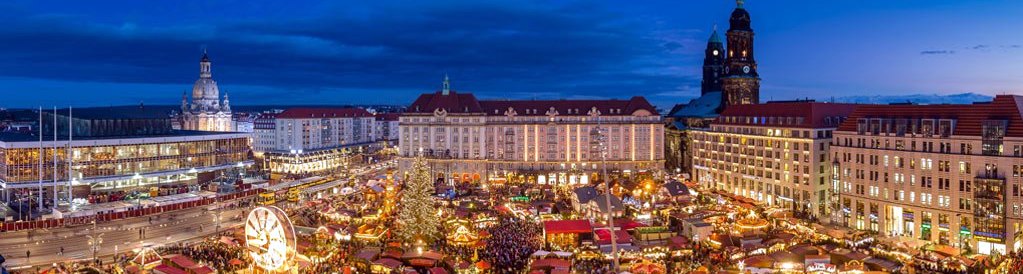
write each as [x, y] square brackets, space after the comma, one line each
[921, 98]
[978, 47]
[495, 48]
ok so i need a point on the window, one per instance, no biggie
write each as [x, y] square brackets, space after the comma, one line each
[992, 132]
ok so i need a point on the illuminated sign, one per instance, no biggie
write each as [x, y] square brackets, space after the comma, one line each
[821, 267]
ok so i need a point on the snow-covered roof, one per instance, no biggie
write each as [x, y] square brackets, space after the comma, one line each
[705, 106]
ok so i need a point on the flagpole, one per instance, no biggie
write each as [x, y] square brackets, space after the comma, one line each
[70, 134]
[55, 158]
[40, 170]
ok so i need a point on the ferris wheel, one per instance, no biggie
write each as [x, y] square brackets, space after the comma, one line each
[270, 238]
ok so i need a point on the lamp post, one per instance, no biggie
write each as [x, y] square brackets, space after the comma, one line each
[94, 240]
[602, 139]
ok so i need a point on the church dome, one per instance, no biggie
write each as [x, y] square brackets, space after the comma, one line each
[740, 18]
[205, 88]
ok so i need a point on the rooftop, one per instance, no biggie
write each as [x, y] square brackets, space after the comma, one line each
[567, 226]
[29, 137]
[300, 113]
[803, 114]
[969, 117]
[455, 102]
[389, 116]
[705, 106]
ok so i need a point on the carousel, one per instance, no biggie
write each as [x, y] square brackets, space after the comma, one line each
[460, 235]
[647, 267]
[147, 258]
[751, 223]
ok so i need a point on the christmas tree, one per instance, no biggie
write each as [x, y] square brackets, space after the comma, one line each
[417, 220]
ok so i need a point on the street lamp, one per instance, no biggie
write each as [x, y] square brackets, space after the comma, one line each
[94, 240]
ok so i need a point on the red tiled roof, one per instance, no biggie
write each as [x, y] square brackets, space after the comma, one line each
[300, 113]
[969, 117]
[567, 226]
[814, 114]
[569, 107]
[452, 102]
[467, 103]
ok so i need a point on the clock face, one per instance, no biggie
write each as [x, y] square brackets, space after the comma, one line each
[715, 52]
[745, 69]
[270, 238]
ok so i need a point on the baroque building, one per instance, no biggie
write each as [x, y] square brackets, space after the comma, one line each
[206, 112]
[558, 142]
[729, 78]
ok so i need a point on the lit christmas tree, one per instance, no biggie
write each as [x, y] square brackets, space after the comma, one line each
[418, 219]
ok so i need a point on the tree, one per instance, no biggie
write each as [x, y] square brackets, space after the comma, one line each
[417, 218]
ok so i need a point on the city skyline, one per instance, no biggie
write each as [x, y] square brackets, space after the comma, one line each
[265, 54]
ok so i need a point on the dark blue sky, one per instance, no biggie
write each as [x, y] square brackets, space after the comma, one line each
[311, 52]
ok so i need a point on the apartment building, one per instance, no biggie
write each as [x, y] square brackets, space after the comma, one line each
[942, 174]
[775, 153]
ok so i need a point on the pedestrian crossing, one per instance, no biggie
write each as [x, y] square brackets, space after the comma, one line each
[77, 255]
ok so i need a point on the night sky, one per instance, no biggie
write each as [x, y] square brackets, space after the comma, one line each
[94, 53]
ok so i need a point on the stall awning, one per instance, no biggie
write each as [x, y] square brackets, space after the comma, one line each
[567, 226]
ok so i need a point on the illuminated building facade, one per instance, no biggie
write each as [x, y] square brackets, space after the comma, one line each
[104, 169]
[206, 112]
[548, 141]
[775, 153]
[387, 127]
[314, 140]
[942, 174]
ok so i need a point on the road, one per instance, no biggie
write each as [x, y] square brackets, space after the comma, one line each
[122, 235]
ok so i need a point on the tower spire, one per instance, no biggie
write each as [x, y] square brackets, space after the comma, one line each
[738, 3]
[714, 38]
[204, 65]
[226, 106]
[184, 101]
[447, 85]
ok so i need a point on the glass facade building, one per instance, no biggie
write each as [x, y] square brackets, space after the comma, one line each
[101, 166]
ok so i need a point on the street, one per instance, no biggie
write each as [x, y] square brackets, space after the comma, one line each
[123, 235]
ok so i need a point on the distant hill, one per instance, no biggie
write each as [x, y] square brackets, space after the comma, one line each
[961, 98]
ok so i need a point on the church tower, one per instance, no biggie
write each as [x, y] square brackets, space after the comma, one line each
[206, 112]
[713, 64]
[741, 84]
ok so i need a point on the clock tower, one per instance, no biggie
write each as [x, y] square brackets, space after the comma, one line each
[713, 64]
[741, 83]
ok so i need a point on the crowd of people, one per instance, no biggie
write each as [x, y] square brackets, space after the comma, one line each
[512, 242]
[213, 253]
